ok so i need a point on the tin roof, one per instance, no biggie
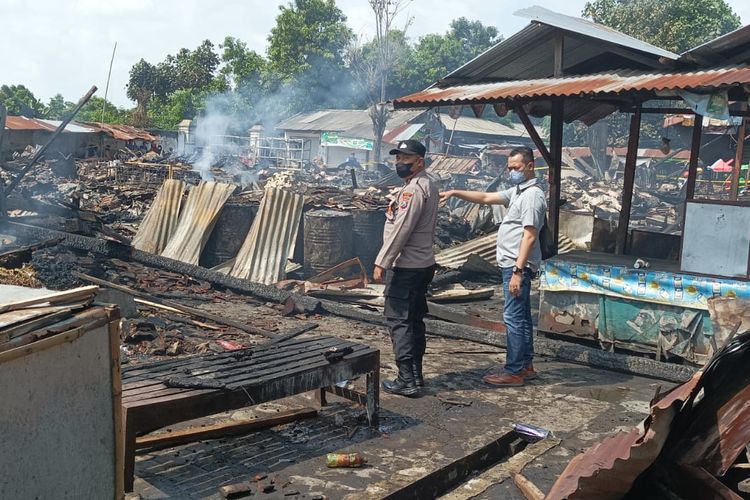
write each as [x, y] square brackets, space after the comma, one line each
[732, 48]
[123, 132]
[446, 165]
[24, 123]
[349, 122]
[471, 125]
[599, 84]
[587, 47]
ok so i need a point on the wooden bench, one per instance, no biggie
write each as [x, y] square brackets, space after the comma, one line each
[167, 392]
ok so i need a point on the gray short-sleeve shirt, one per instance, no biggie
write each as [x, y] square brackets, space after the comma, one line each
[527, 206]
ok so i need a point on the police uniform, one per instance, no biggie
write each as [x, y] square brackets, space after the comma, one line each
[409, 261]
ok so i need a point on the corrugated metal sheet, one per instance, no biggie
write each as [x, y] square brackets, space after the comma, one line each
[124, 132]
[348, 122]
[402, 132]
[471, 125]
[446, 165]
[455, 257]
[591, 29]
[596, 84]
[730, 48]
[270, 242]
[587, 47]
[197, 219]
[161, 220]
[24, 123]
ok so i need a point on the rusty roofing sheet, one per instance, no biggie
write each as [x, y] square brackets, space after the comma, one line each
[267, 247]
[123, 132]
[202, 208]
[443, 164]
[616, 82]
[24, 123]
[161, 220]
[455, 257]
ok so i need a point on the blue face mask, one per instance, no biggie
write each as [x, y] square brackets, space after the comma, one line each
[517, 177]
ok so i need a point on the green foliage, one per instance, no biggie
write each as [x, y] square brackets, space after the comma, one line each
[437, 55]
[241, 66]
[19, 100]
[675, 25]
[308, 33]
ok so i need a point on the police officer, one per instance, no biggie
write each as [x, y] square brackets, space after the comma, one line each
[407, 263]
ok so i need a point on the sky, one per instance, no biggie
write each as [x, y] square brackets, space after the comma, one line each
[65, 46]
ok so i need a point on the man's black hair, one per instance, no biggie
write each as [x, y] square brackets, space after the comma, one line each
[526, 152]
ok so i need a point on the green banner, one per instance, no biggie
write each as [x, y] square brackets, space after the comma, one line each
[333, 139]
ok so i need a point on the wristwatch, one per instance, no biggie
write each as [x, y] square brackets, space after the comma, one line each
[517, 270]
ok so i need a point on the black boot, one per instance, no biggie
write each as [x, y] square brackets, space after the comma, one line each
[404, 383]
[417, 370]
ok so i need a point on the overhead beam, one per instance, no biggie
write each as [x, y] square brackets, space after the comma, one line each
[538, 142]
[695, 148]
[555, 167]
[629, 180]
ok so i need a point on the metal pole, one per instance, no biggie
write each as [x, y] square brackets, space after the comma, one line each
[555, 169]
[106, 88]
[17, 179]
[695, 147]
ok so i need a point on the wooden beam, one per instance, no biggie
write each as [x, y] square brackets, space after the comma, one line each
[555, 168]
[220, 430]
[538, 142]
[191, 311]
[559, 50]
[740, 153]
[695, 147]
[627, 190]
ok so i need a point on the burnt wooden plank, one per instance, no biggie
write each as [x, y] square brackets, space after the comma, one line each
[258, 352]
[208, 366]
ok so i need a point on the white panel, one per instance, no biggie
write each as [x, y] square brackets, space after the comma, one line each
[716, 239]
[57, 437]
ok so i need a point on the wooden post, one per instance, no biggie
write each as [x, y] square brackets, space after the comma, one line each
[737, 170]
[627, 190]
[695, 147]
[538, 142]
[3, 115]
[555, 168]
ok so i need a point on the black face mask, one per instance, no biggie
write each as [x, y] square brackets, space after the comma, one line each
[403, 170]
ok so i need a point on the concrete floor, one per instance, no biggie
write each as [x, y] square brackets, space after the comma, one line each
[580, 405]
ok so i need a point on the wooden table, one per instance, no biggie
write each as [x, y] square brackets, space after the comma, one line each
[154, 394]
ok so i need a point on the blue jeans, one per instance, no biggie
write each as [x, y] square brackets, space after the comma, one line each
[517, 318]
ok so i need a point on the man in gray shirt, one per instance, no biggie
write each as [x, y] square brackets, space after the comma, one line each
[519, 256]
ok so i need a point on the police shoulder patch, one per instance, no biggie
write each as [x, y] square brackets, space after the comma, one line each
[405, 199]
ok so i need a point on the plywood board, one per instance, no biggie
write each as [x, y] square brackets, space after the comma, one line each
[58, 424]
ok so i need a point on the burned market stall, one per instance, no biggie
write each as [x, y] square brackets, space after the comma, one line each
[669, 291]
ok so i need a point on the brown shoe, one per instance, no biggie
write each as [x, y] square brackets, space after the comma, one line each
[529, 373]
[504, 380]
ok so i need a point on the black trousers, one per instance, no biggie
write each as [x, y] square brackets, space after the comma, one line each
[405, 309]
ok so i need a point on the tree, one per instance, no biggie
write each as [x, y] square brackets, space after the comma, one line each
[306, 57]
[145, 82]
[58, 108]
[21, 101]
[676, 25]
[437, 55]
[241, 66]
[307, 33]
